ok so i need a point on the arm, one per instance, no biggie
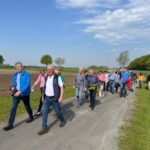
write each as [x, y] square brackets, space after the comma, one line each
[36, 82]
[26, 83]
[61, 90]
[61, 94]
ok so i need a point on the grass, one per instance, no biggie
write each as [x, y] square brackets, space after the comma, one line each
[5, 103]
[136, 131]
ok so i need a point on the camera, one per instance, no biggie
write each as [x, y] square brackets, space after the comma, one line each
[13, 90]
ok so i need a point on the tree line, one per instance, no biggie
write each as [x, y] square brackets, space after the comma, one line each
[141, 63]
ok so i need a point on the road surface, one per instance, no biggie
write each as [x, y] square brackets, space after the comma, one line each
[85, 129]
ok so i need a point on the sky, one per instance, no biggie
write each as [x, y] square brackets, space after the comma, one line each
[84, 32]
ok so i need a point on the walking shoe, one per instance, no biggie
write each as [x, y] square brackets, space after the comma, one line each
[38, 113]
[43, 131]
[8, 127]
[30, 119]
[62, 123]
[92, 108]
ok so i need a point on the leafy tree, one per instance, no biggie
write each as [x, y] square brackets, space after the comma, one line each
[1, 59]
[123, 58]
[141, 63]
[46, 59]
[59, 61]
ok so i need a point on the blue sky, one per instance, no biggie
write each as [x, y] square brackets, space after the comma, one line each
[84, 32]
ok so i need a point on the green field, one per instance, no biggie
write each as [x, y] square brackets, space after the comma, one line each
[136, 132]
[5, 103]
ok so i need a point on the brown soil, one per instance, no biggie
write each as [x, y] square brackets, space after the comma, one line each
[6, 81]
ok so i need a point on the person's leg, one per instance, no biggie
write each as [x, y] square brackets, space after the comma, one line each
[80, 95]
[26, 101]
[94, 96]
[113, 87]
[58, 111]
[77, 95]
[86, 94]
[93, 99]
[121, 90]
[90, 93]
[100, 92]
[149, 85]
[46, 106]
[41, 102]
[15, 102]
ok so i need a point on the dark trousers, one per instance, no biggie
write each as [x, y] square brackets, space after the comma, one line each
[92, 97]
[107, 86]
[48, 101]
[41, 102]
[15, 102]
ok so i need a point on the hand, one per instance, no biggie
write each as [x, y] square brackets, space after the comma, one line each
[42, 98]
[17, 93]
[32, 89]
[60, 100]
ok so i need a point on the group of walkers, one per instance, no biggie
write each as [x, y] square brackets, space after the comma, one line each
[90, 82]
[52, 90]
[51, 83]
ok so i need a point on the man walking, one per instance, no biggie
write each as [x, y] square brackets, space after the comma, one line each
[79, 84]
[112, 81]
[53, 95]
[20, 91]
[124, 77]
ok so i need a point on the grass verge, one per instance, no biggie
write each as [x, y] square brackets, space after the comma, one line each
[136, 131]
[5, 103]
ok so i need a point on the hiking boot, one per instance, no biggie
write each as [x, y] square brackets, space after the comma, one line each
[7, 128]
[43, 131]
[30, 119]
[62, 124]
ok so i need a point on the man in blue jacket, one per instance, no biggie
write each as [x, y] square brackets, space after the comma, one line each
[21, 91]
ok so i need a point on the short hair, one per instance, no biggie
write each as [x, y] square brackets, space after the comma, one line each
[18, 63]
[50, 66]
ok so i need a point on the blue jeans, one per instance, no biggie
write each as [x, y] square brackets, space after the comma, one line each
[123, 91]
[15, 102]
[112, 86]
[79, 95]
[48, 101]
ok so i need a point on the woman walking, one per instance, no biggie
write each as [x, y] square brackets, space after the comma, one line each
[101, 78]
[40, 82]
[92, 84]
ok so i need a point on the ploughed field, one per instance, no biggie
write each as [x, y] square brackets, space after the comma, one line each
[6, 80]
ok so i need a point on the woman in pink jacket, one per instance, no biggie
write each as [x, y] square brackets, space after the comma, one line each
[101, 78]
[40, 82]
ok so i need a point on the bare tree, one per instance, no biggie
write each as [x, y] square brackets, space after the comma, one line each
[59, 61]
[123, 58]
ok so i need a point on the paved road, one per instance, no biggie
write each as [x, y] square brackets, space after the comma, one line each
[85, 129]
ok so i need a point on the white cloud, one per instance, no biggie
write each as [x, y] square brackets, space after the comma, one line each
[129, 22]
[86, 3]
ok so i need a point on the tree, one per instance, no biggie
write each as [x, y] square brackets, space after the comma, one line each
[141, 63]
[123, 58]
[59, 61]
[1, 59]
[46, 59]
